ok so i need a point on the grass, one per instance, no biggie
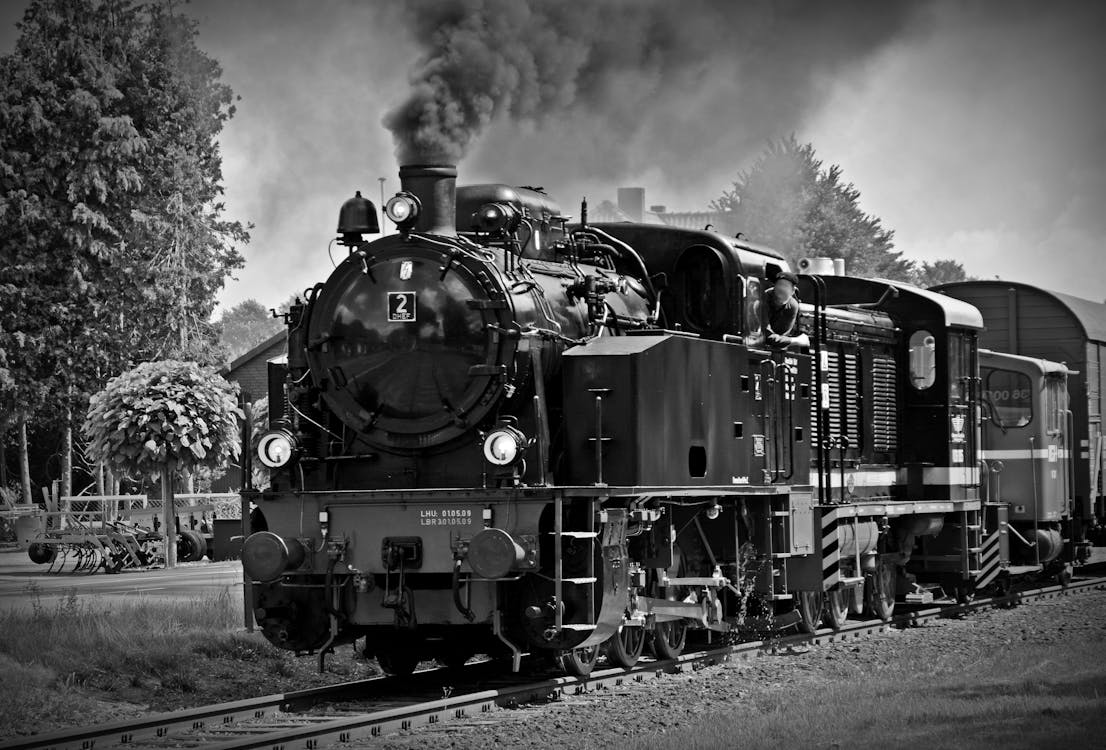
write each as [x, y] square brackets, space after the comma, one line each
[73, 660]
[1022, 696]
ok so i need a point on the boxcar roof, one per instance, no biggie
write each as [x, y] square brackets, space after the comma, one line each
[1044, 366]
[1091, 316]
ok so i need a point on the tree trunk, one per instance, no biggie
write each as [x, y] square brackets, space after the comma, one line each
[101, 487]
[168, 517]
[4, 461]
[24, 461]
[67, 457]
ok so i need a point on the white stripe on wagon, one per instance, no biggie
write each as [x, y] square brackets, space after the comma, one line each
[859, 477]
[950, 475]
[1024, 453]
[941, 475]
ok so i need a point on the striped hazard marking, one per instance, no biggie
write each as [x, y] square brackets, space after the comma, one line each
[990, 561]
[831, 550]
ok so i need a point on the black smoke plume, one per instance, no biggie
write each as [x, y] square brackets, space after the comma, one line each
[626, 66]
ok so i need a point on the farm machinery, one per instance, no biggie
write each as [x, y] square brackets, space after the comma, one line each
[116, 532]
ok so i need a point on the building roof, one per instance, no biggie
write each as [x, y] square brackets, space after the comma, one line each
[229, 368]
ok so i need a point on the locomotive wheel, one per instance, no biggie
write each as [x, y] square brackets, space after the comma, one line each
[398, 662]
[963, 592]
[453, 656]
[624, 647]
[452, 661]
[809, 605]
[579, 661]
[669, 638]
[880, 587]
[1004, 587]
[837, 607]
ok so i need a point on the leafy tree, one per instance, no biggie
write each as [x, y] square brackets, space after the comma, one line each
[246, 325]
[941, 272]
[111, 231]
[161, 418]
[790, 201]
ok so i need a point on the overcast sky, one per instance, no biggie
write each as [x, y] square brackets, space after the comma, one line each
[975, 130]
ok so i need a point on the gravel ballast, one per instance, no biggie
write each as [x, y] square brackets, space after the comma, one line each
[1035, 646]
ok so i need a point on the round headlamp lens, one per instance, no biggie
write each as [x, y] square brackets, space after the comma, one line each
[401, 209]
[501, 447]
[275, 449]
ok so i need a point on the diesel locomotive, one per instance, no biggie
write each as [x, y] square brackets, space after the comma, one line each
[499, 431]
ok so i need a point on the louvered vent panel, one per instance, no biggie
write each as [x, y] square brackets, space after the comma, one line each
[884, 430]
[831, 380]
[852, 399]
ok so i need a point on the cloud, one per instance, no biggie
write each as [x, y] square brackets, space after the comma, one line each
[975, 130]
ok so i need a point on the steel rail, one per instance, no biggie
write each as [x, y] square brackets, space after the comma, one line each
[162, 724]
[317, 731]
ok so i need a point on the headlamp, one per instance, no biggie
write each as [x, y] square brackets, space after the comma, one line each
[402, 209]
[496, 217]
[504, 445]
[275, 448]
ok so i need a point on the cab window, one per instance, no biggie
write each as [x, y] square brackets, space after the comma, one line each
[753, 309]
[703, 290]
[1056, 404]
[1009, 397]
[923, 359]
[960, 367]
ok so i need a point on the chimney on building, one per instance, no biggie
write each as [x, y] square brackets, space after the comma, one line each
[631, 201]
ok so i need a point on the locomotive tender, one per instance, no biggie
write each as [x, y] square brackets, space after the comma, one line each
[500, 432]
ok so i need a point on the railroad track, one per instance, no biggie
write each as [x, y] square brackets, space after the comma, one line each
[381, 706]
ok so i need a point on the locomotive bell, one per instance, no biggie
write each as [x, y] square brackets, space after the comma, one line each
[357, 217]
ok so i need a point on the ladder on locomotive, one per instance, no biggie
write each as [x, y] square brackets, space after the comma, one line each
[777, 547]
[972, 534]
[588, 535]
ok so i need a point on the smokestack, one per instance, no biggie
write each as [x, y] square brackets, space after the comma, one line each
[631, 201]
[435, 185]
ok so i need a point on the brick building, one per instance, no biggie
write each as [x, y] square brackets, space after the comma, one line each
[251, 370]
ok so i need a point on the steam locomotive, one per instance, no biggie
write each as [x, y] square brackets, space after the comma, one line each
[498, 431]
